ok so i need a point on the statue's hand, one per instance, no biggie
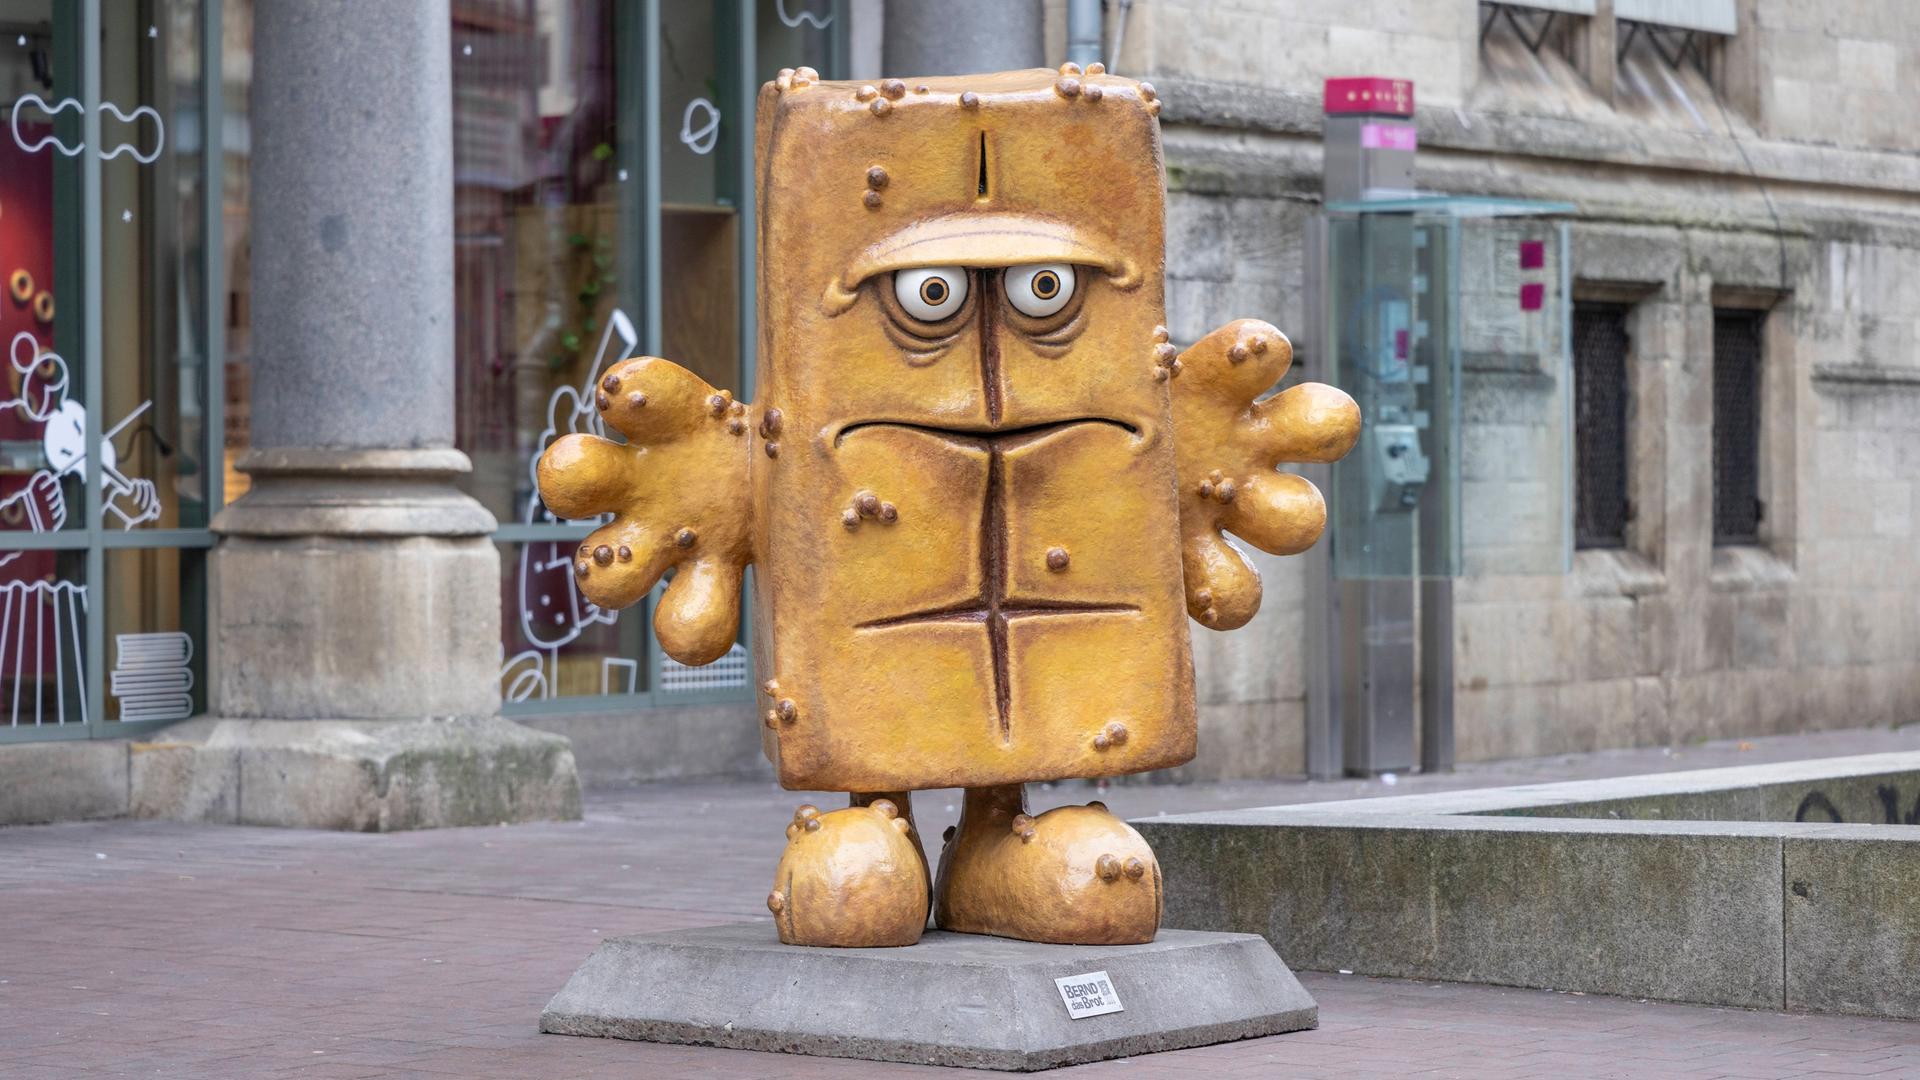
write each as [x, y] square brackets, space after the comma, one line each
[1227, 446]
[678, 493]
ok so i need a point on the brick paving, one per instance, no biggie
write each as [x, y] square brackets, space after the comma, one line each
[158, 949]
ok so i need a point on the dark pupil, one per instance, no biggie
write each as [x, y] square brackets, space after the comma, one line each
[933, 291]
[1045, 284]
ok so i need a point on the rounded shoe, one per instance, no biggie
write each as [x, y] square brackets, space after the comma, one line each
[851, 878]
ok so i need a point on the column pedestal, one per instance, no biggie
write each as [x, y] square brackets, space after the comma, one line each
[354, 641]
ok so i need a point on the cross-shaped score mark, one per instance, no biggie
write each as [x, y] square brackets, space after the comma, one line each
[993, 608]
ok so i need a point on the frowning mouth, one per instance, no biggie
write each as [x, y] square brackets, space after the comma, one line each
[988, 436]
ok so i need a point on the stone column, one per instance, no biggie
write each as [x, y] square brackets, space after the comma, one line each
[354, 619]
[940, 37]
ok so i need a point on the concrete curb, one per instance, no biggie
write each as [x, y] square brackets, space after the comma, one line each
[1474, 887]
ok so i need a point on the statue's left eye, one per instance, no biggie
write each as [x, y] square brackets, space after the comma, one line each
[1039, 291]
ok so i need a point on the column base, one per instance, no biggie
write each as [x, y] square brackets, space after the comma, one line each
[366, 628]
[354, 775]
[357, 584]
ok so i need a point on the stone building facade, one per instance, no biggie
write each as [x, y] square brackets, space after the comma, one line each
[1762, 171]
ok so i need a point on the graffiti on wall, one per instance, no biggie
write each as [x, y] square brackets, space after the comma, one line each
[1818, 807]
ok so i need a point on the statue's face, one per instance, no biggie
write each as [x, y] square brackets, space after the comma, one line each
[969, 568]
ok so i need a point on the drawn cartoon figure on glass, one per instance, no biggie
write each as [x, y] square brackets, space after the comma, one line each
[63, 440]
[552, 614]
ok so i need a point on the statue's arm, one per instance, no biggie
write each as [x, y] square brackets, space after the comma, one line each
[678, 493]
[1228, 446]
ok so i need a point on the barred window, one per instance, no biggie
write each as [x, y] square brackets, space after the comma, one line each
[1737, 509]
[1600, 395]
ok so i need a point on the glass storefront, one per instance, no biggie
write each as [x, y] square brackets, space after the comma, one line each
[603, 208]
[108, 468]
[603, 200]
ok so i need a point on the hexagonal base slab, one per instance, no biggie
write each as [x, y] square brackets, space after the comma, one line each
[952, 999]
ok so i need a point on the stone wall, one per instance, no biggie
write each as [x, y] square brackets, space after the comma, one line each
[1795, 191]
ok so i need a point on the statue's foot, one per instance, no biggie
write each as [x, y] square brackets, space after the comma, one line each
[851, 878]
[1075, 875]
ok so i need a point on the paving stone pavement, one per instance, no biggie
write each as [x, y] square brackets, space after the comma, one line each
[159, 949]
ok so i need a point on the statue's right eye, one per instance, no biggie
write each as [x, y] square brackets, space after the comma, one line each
[932, 293]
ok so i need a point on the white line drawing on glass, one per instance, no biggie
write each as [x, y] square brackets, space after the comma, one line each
[43, 397]
[133, 500]
[153, 676]
[530, 677]
[43, 387]
[55, 609]
[805, 18]
[727, 672]
[552, 613]
[131, 119]
[43, 503]
[43, 378]
[609, 664]
[13, 124]
[702, 140]
[159, 133]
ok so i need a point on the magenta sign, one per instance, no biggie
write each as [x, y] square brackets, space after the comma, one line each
[1388, 137]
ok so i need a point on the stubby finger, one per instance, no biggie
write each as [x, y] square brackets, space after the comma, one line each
[1238, 361]
[1311, 422]
[618, 563]
[700, 614]
[1223, 588]
[1279, 513]
[653, 401]
[584, 475]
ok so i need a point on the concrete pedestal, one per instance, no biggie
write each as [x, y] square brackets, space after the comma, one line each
[953, 999]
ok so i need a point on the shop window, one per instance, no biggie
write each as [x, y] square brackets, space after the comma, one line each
[1601, 392]
[603, 205]
[110, 435]
[603, 209]
[1737, 350]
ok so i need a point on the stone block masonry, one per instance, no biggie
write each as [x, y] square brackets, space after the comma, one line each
[1796, 199]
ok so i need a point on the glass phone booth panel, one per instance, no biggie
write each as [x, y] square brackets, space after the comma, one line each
[1448, 322]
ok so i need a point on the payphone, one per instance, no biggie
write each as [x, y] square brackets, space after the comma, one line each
[1419, 305]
